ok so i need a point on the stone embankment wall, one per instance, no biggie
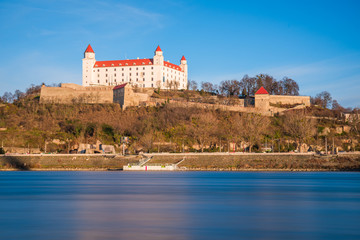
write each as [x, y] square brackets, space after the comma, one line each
[216, 161]
[275, 161]
[65, 162]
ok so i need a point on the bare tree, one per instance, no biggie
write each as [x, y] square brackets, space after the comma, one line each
[230, 87]
[203, 128]
[192, 85]
[207, 87]
[7, 97]
[298, 126]
[253, 127]
[249, 85]
[266, 81]
[322, 99]
[289, 87]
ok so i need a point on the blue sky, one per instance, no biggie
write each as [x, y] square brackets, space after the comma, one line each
[317, 43]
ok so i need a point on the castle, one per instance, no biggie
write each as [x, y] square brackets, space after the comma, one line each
[132, 83]
[144, 73]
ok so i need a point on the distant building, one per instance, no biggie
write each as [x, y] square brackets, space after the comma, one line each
[144, 73]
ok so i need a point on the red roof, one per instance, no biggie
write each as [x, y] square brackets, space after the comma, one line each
[132, 62]
[183, 58]
[158, 49]
[117, 63]
[119, 86]
[89, 49]
[262, 90]
[171, 65]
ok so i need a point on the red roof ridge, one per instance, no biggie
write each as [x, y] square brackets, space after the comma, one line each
[158, 49]
[119, 86]
[262, 90]
[183, 58]
[89, 49]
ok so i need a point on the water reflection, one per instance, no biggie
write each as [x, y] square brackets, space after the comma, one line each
[179, 205]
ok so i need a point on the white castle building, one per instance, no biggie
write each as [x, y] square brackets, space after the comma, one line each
[146, 73]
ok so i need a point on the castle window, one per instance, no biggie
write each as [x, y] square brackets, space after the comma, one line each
[114, 69]
[105, 75]
[144, 79]
[122, 69]
[98, 70]
[143, 68]
[106, 81]
[152, 73]
[152, 85]
[96, 65]
[129, 74]
[112, 64]
[98, 75]
[122, 74]
[152, 79]
[134, 64]
[130, 79]
[105, 69]
[137, 79]
[114, 74]
[98, 81]
[152, 68]
[137, 69]
[137, 74]
[103, 65]
[144, 73]
[93, 70]
[119, 64]
[126, 64]
[143, 63]
[130, 69]
[115, 79]
[144, 85]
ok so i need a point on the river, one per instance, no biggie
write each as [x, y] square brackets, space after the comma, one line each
[179, 205]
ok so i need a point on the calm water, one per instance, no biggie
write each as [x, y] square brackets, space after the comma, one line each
[179, 205]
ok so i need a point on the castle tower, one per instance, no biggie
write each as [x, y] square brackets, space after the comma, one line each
[158, 62]
[88, 64]
[184, 67]
[158, 58]
[262, 98]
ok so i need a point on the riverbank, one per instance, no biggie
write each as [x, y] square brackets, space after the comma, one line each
[186, 161]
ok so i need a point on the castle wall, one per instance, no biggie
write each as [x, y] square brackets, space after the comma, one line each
[72, 93]
[290, 100]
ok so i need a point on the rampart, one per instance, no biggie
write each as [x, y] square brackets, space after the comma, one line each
[70, 93]
[290, 100]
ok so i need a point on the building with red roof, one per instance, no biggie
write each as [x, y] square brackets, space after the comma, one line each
[141, 72]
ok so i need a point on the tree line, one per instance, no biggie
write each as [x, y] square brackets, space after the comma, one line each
[247, 86]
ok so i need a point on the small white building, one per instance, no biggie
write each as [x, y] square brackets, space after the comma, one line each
[145, 73]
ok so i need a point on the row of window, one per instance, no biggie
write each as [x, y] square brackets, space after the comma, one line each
[137, 74]
[122, 69]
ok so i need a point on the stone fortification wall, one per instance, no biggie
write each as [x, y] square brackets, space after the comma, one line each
[270, 104]
[290, 100]
[70, 93]
[136, 96]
